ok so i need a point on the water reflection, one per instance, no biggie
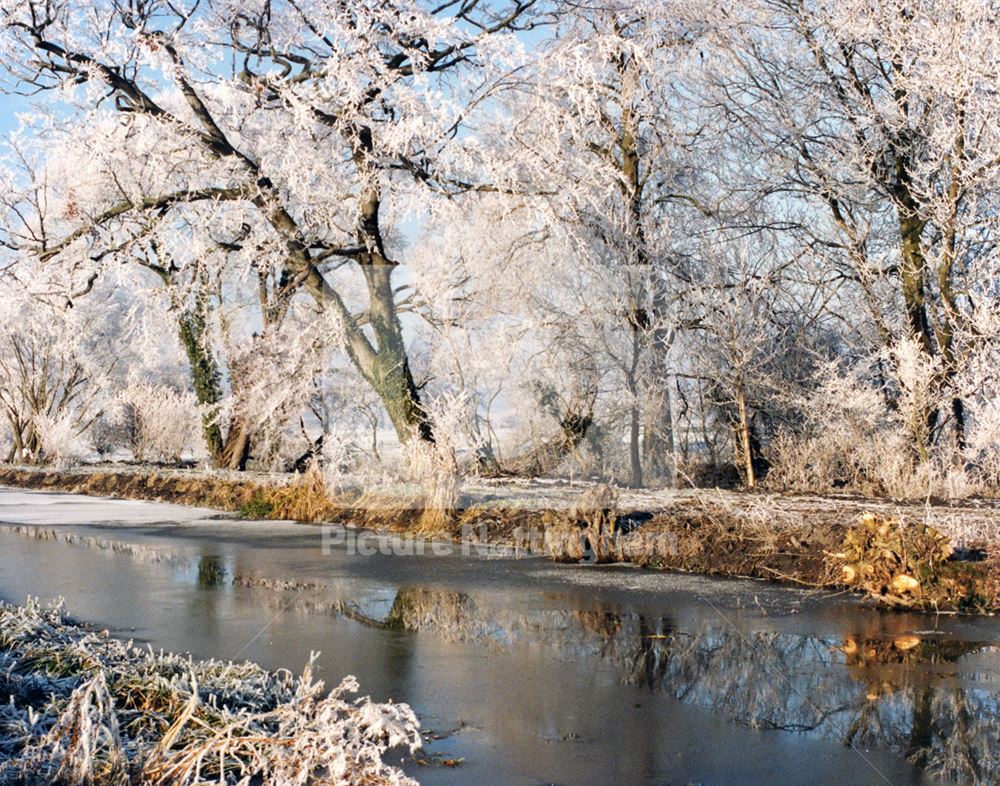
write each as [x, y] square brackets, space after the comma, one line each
[892, 689]
[213, 572]
[558, 682]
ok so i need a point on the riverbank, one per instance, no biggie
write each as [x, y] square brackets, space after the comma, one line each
[794, 539]
[81, 707]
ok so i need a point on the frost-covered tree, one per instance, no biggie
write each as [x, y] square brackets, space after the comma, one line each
[280, 131]
[605, 159]
[552, 236]
[872, 129]
[57, 365]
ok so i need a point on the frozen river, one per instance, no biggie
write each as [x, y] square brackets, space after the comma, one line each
[527, 672]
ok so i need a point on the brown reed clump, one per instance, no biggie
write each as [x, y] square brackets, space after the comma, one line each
[304, 499]
[908, 566]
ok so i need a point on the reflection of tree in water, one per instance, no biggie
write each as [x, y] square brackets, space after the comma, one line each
[212, 572]
[950, 728]
[868, 688]
[888, 696]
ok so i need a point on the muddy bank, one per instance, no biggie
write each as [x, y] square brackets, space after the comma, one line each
[795, 539]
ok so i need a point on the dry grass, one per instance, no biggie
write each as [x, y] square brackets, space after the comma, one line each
[203, 491]
[87, 709]
[304, 499]
[298, 497]
[439, 506]
[396, 510]
[587, 531]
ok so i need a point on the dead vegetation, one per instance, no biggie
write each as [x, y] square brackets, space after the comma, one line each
[303, 499]
[588, 530]
[300, 497]
[202, 491]
[87, 709]
[910, 566]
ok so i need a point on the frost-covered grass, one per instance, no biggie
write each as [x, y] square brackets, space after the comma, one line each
[80, 707]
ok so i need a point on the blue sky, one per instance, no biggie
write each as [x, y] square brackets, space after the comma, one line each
[10, 106]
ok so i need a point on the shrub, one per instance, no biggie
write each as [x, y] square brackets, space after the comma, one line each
[160, 423]
[59, 438]
[304, 499]
[865, 434]
[83, 708]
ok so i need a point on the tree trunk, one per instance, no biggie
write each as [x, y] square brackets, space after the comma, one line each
[958, 411]
[658, 437]
[913, 284]
[658, 432]
[745, 449]
[635, 412]
[16, 453]
[388, 371]
[946, 265]
[229, 449]
[236, 452]
[912, 280]
[384, 364]
[655, 461]
[205, 376]
[635, 458]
